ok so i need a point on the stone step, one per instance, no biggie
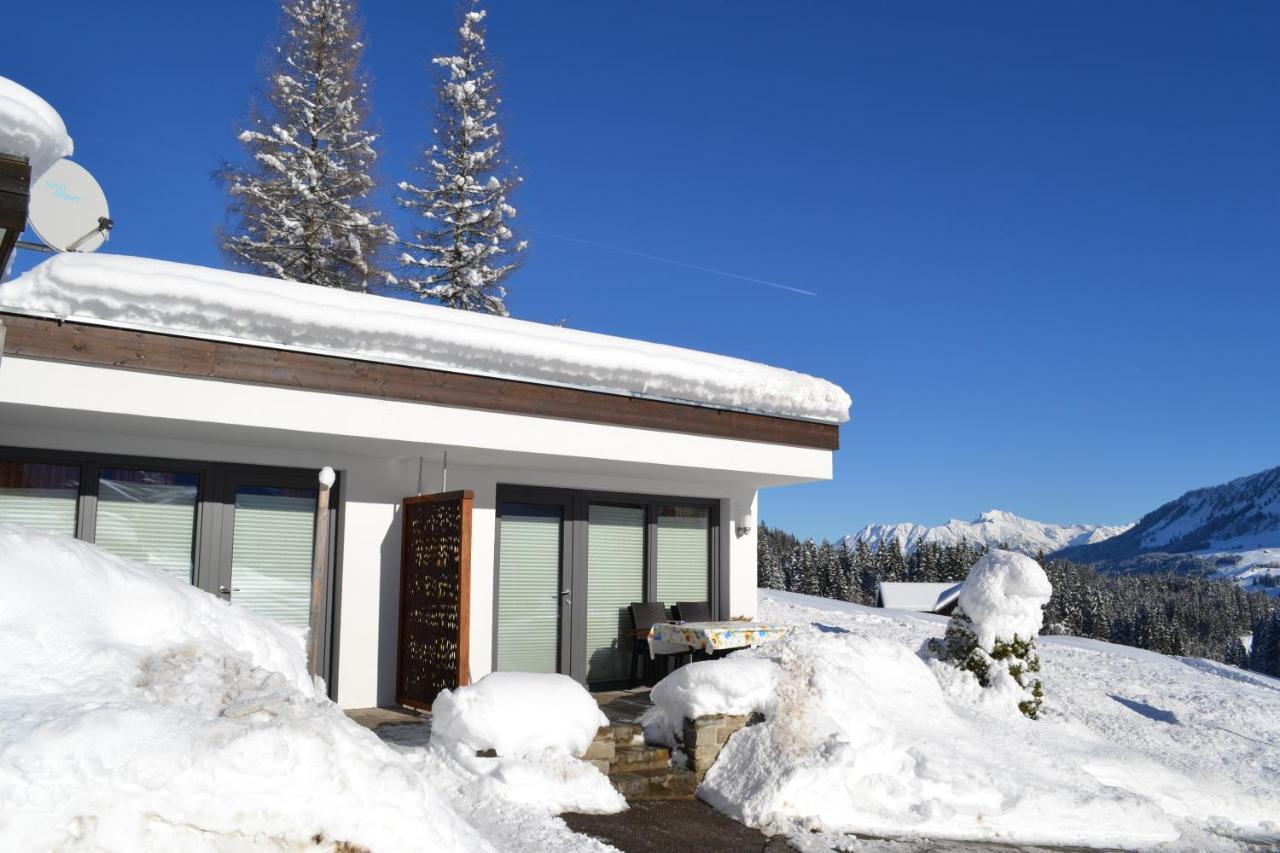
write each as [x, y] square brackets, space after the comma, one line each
[625, 734]
[629, 759]
[666, 784]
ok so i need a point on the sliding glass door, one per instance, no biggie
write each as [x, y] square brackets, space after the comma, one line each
[570, 564]
[615, 578]
[267, 546]
[40, 496]
[149, 516]
[683, 553]
[534, 593]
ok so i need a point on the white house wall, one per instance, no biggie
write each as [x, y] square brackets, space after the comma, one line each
[377, 445]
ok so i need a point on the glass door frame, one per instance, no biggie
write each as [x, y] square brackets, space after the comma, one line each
[215, 493]
[568, 590]
[576, 504]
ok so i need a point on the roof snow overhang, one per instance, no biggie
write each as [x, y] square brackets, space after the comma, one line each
[77, 342]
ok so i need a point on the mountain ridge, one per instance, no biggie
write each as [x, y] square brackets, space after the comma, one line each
[1241, 514]
[993, 527]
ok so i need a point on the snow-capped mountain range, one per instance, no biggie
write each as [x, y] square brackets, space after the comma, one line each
[993, 527]
[1241, 515]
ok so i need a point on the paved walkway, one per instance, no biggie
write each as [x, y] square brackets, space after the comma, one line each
[661, 826]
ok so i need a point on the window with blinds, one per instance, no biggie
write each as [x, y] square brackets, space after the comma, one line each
[684, 553]
[529, 559]
[273, 534]
[43, 497]
[615, 578]
[149, 516]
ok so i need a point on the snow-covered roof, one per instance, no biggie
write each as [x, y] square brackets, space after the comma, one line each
[146, 294]
[920, 597]
[30, 128]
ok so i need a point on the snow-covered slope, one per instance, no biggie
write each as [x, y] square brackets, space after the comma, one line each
[1239, 516]
[148, 294]
[992, 528]
[1134, 750]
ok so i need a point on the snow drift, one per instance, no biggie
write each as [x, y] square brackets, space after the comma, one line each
[733, 685]
[1134, 749]
[137, 712]
[151, 294]
[515, 713]
[30, 128]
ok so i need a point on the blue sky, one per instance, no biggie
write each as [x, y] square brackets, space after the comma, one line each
[1043, 237]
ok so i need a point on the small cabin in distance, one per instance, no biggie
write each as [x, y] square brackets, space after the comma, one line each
[919, 597]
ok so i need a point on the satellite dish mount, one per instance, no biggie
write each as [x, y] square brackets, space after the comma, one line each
[68, 211]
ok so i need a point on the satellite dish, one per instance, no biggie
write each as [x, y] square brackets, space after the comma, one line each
[68, 209]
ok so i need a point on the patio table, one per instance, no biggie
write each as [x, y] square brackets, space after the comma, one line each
[676, 637]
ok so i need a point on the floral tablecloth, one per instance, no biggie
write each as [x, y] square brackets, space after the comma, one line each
[675, 637]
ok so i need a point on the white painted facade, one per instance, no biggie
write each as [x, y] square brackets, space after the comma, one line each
[385, 450]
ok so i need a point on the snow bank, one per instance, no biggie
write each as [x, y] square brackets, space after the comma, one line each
[30, 128]
[139, 713]
[138, 292]
[517, 713]
[1135, 749]
[1004, 596]
[732, 685]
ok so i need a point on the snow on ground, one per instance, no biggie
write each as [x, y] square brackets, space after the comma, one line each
[735, 685]
[1247, 567]
[151, 294]
[140, 713]
[516, 712]
[30, 128]
[1134, 749]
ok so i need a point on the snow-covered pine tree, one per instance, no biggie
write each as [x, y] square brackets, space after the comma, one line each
[301, 204]
[808, 578]
[464, 247]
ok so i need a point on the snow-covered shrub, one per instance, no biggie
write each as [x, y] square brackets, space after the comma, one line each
[992, 633]
[517, 713]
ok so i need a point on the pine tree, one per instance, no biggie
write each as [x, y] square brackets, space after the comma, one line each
[464, 247]
[864, 571]
[301, 204]
[768, 565]
[808, 578]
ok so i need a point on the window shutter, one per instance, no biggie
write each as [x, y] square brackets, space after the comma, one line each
[529, 588]
[684, 554]
[40, 496]
[615, 578]
[151, 522]
[273, 534]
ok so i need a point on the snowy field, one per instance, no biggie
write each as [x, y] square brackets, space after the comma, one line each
[138, 713]
[1250, 566]
[1133, 749]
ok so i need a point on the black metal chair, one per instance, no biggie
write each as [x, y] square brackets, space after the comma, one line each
[693, 611]
[644, 615]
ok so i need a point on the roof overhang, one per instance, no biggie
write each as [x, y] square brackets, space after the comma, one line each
[104, 346]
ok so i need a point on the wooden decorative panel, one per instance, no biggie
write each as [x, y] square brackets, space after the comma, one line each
[435, 589]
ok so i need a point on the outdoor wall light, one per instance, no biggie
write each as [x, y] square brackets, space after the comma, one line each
[744, 523]
[15, 197]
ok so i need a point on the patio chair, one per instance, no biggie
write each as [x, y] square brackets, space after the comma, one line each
[693, 611]
[644, 615]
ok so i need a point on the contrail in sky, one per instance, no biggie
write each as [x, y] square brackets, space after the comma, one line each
[676, 263]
